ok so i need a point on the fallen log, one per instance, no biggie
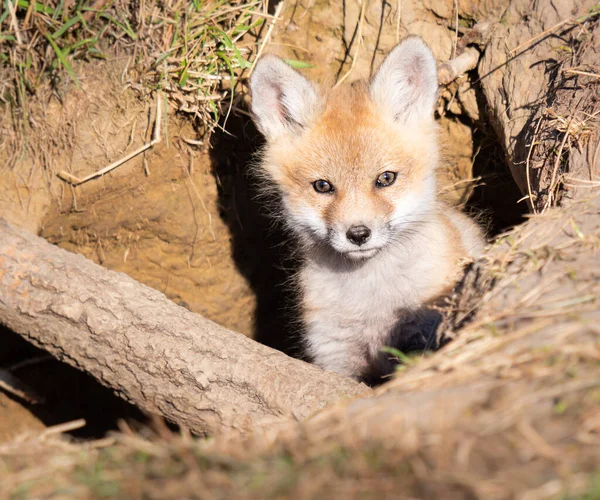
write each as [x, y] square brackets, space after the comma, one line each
[150, 351]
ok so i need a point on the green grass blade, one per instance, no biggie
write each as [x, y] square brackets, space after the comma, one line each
[247, 27]
[299, 64]
[62, 58]
[126, 29]
[397, 354]
[86, 41]
[65, 27]
[38, 7]
[226, 41]
[184, 73]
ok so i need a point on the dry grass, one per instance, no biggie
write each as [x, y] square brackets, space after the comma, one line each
[196, 52]
[570, 122]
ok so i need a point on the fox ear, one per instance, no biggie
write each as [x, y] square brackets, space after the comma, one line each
[283, 100]
[406, 82]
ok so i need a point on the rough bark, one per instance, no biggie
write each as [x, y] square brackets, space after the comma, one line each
[539, 78]
[152, 352]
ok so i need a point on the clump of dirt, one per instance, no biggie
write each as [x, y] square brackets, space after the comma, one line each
[16, 419]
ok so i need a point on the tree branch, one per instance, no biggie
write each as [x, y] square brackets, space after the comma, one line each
[458, 66]
[152, 352]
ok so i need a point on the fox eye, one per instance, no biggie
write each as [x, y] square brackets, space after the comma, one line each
[385, 179]
[323, 186]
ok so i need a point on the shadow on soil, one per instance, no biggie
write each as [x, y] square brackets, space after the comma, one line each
[260, 249]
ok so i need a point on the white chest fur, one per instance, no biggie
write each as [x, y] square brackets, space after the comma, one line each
[351, 308]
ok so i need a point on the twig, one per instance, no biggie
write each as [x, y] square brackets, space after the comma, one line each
[62, 428]
[192, 142]
[540, 35]
[585, 183]
[451, 70]
[267, 36]
[557, 164]
[9, 383]
[209, 215]
[553, 28]
[582, 73]
[538, 442]
[361, 20]
[456, 29]
[30, 362]
[527, 169]
[12, 9]
[76, 181]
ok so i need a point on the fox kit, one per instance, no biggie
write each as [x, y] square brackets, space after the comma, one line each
[355, 170]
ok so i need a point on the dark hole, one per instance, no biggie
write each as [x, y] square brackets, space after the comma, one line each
[495, 199]
[67, 394]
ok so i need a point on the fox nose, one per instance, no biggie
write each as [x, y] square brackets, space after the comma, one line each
[358, 235]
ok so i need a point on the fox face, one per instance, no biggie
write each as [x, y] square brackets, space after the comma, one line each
[355, 167]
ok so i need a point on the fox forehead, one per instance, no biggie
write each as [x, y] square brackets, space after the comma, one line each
[351, 141]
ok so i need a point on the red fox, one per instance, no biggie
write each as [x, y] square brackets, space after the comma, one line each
[355, 170]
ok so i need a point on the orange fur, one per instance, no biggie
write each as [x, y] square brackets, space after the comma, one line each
[350, 145]
[360, 296]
